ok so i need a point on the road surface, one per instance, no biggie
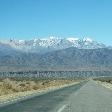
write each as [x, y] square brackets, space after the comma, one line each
[90, 98]
[44, 103]
[84, 97]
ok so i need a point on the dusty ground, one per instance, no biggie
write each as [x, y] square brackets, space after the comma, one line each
[12, 90]
[105, 84]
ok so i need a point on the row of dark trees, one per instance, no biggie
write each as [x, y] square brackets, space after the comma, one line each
[56, 74]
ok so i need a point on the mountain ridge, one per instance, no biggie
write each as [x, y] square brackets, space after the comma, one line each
[70, 58]
[65, 59]
[52, 43]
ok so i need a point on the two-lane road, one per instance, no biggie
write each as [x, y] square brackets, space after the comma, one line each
[49, 102]
[84, 97]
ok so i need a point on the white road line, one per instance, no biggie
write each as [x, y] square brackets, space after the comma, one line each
[62, 108]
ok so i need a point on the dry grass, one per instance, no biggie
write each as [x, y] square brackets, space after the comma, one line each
[14, 89]
[10, 86]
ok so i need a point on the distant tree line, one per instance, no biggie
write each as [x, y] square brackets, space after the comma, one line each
[56, 74]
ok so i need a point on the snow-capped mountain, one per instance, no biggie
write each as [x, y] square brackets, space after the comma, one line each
[54, 53]
[52, 43]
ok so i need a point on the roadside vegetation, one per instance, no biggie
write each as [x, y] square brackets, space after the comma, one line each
[105, 81]
[14, 89]
[13, 85]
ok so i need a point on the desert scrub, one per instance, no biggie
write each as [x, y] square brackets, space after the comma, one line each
[9, 86]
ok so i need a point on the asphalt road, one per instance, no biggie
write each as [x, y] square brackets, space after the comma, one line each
[50, 102]
[84, 97]
[90, 98]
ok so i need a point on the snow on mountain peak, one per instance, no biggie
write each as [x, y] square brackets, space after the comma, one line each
[35, 40]
[71, 39]
[88, 40]
[54, 43]
[21, 41]
[52, 37]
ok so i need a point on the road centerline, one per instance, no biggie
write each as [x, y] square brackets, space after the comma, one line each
[62, 108]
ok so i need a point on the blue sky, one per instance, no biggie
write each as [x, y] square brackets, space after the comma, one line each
[27, 19]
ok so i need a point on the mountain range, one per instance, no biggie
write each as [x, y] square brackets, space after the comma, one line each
[51, 44]
[54, 53]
